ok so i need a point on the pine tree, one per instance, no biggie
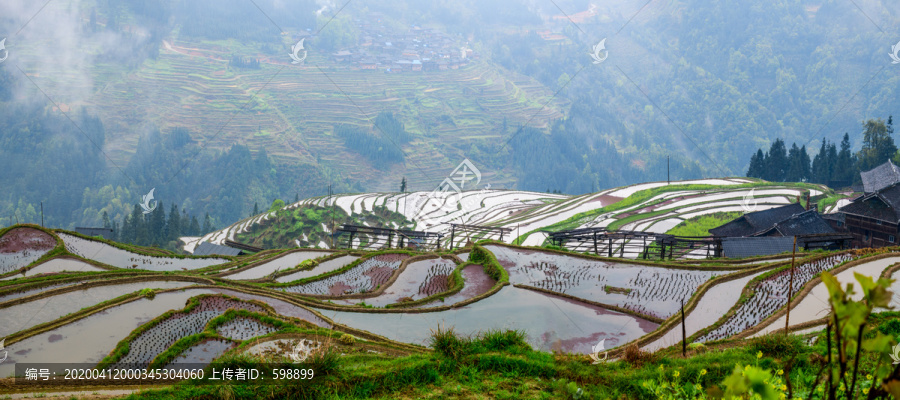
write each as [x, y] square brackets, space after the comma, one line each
[157, 226]
[207, 224]
[403, 185]
[776, 162]
[195, 226]
[106, 223]
[255, 211]
[757, 165]
[173, 225]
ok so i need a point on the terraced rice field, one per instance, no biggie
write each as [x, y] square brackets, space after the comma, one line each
[323, 268]
[815, 305]
[243, 328]
[57, 265]
[652, 291]
[22, 316]
[119, 258]
[526, 213]
[563, 302]
[550, 322]
[281, 263]
[201, 353]
[153, 341]
[419, 280]
[22, 246]
[770, 295]
[477, 282]
[365, 277]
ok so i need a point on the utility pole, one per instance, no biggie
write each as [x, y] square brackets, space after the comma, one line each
[683, 332]
[787, 317]
[42, 214]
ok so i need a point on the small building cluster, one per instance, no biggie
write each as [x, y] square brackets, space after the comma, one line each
[417, 49]
[873, 218]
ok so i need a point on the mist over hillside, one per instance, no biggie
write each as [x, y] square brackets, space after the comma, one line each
[202, 101]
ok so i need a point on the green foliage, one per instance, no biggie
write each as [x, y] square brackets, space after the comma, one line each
[492, 267]
[276, 205]
[701, 224]
[785, 346]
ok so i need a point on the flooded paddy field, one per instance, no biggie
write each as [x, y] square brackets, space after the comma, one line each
[551, 322]
[652, 291]
[57, 265]
[419, 280]
[22, 246]
[323, 268]
[119, 258]
[279, 263]
[365, 277]
[771, 294]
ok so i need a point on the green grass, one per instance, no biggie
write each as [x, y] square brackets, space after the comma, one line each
[701, 224]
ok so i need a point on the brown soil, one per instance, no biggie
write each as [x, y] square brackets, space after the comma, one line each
[20, 239]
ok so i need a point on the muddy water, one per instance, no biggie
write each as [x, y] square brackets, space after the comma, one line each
[281, 263]
[90, 339]
[57, 265]
[320, 269]
[125, 259]
[26, 315]
[712, 306]
[550, 322]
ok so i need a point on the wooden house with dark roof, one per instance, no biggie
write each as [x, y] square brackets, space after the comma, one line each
[880, 177]
[755, 223]
[873, 218]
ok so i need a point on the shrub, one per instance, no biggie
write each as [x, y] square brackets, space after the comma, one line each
[778, 345]
[446, 343]
[637, 357]
[347, 339]
[507, 341]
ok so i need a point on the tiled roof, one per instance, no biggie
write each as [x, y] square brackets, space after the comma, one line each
[880, 177]
[755, 222]
[883, 204]
[741, 247]
[805, 223]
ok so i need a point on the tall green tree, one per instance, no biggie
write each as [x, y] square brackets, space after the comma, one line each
[878, 145]
[173, 225]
